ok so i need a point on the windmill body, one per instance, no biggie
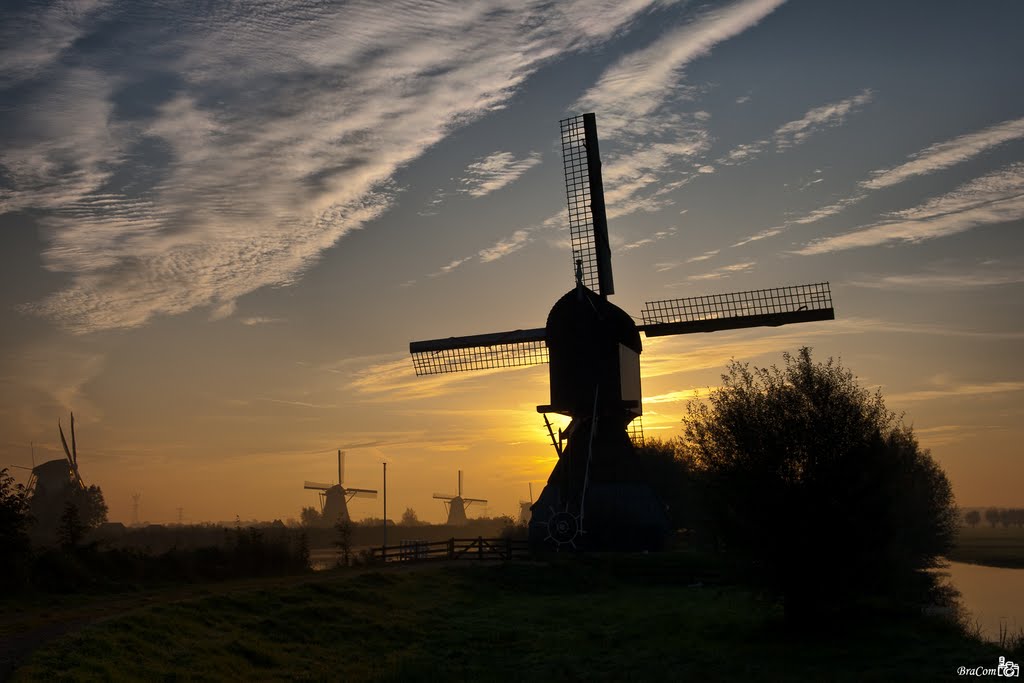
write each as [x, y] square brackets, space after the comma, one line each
[455, 506]
[334, 498]
[53, 484]
[594, 498]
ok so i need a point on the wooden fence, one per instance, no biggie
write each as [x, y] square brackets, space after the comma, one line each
[453, 549]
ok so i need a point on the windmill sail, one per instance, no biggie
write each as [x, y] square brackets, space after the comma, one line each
[756, 308]
[516, 348]
[318, 486]
[584, 189]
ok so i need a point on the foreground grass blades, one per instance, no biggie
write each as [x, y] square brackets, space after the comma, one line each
[542, 622]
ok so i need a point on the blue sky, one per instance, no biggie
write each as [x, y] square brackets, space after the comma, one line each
[222, 225]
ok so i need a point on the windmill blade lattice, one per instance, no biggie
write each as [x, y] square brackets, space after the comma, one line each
[755, 308]
[584, 189]
[517, 348]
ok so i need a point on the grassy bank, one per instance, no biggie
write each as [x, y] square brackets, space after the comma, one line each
[996, 547]
[588, 620]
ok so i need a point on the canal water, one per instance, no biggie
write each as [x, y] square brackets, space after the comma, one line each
[992, 596]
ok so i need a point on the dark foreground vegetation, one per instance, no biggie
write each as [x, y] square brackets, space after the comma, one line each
[649, 618]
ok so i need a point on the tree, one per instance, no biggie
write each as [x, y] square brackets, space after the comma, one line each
[71, 528]
[92, 509]
[814, 488]
[973, 518]
[409, 518]
[15, 546]
[992, 516]
[310, 516]
[344, 541]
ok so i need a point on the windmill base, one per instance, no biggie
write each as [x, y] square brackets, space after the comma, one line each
[618, 517]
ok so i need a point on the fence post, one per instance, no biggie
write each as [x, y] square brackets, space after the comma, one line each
[508, 548]
[480, 547]
[451, 548]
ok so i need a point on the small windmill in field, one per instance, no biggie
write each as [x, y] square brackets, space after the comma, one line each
[334, 498]
[455, 506]
[53, 483]
[524, 508]
[594, 497]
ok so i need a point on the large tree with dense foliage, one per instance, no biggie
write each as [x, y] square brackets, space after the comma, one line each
[814, 487]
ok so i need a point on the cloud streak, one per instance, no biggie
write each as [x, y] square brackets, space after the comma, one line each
[827, 116]
[992, 199]
[495, 172]
[942, 155]
[280, 135]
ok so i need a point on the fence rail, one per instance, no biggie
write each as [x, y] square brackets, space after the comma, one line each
[478, 548]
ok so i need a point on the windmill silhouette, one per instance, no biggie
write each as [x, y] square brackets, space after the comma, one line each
[593, 497]
[455, 506]
[334, 498]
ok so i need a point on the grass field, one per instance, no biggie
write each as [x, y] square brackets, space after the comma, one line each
[996, 547]
[639, 619]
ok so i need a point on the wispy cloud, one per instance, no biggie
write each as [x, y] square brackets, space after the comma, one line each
[629, 92]
[517, 241]
[675, 396]
[31, 40]
[994, 198]
[495, 172]
[656, 237]
[799, 130]
[452, 265]
[632, 96]
[957, 391]
[261, 320]
[764, 234]
[943, 280]
[931, 159]
[278, 140]
[649, 144]
[942, 155]
[826, 116]
[723, 272]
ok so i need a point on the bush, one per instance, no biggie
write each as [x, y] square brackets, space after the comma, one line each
[15, 547]
[814, 488]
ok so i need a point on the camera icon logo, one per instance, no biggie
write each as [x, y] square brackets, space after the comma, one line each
[1007, 669]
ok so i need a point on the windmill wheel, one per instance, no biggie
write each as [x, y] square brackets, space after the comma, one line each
[563, 528]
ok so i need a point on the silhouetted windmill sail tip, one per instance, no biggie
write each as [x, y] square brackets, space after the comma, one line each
[515, 348]
[755, 308]
[584, 188]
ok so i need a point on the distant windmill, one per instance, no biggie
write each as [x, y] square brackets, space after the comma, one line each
[593, 497]
[135, 508]
[524, 508]
[334, 498]
[53, 483]
[455, 506]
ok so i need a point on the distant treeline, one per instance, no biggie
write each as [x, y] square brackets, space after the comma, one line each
[222, 554]
[995, 516]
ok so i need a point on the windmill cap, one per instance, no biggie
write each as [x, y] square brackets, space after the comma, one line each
[590, 316]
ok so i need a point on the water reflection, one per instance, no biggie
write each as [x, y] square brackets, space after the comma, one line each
[993, 597]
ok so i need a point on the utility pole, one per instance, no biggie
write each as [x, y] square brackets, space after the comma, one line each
[384, 548]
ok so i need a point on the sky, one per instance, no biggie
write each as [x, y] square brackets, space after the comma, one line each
[222, 224]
